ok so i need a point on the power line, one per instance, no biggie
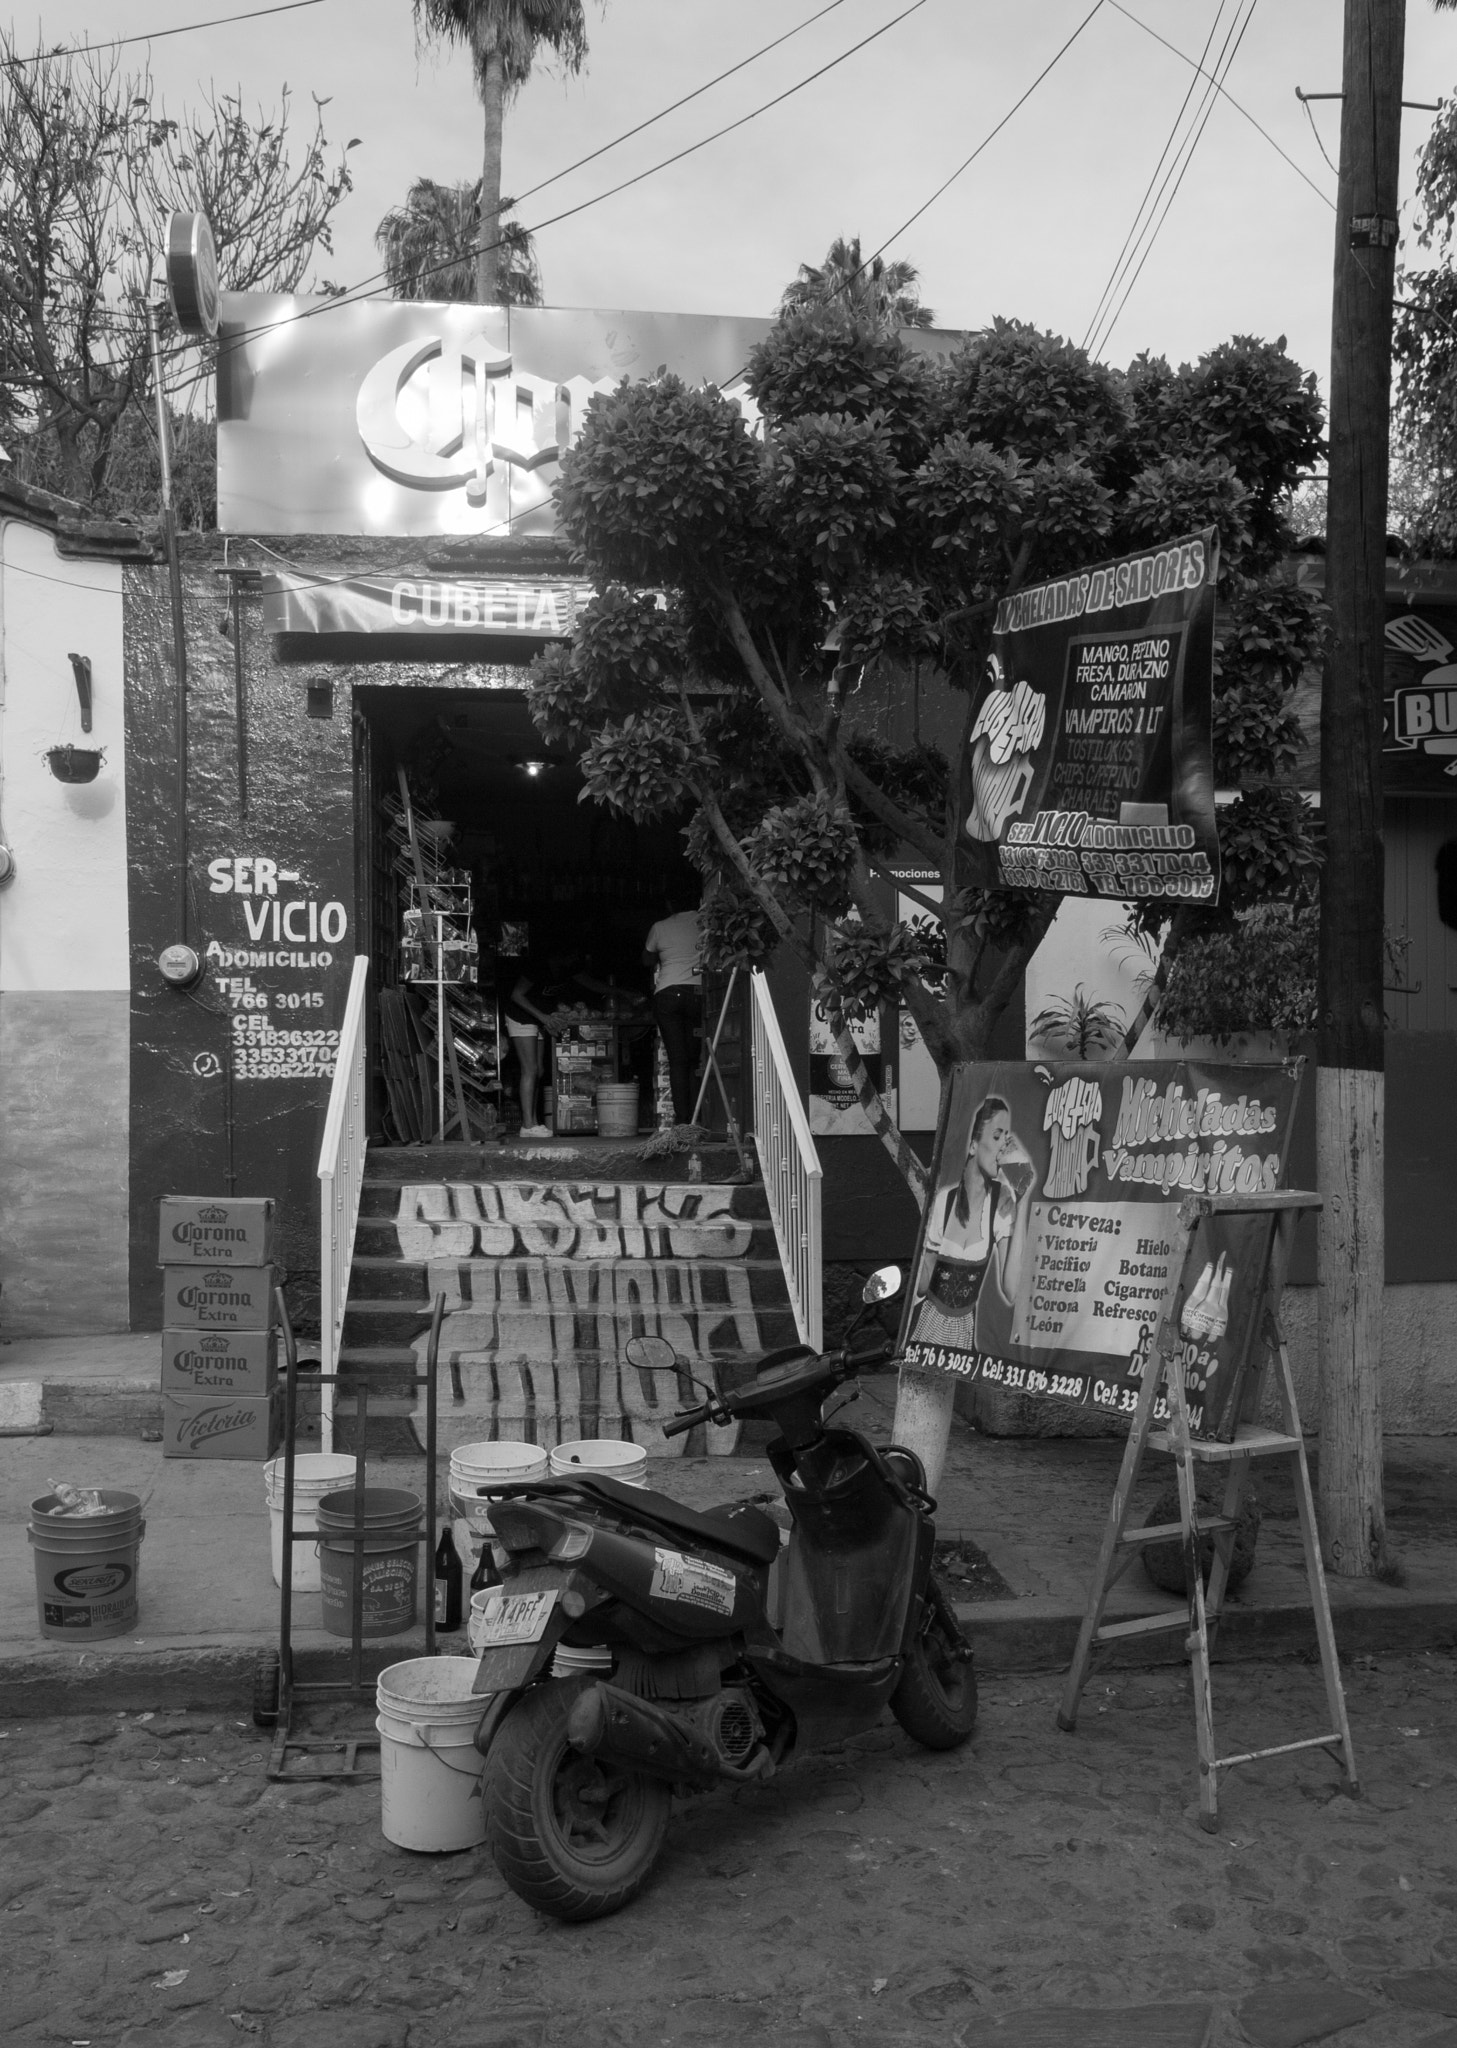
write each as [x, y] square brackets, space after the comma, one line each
[697, 93]
[1185, 58]
[369, 286]
[1113, 320]
[1147, 223]
[187, 28]
[986, 139]
[1111, 286]
[1316, 133]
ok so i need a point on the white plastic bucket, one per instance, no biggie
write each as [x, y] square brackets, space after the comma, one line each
[315, 1473]
[601, 1457]
[474, 1466]
[617, 1109]
[429, 1770]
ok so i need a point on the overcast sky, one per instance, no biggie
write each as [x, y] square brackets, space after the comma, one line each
[1033, 228]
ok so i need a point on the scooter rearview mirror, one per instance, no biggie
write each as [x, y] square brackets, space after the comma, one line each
[651, 1354]
[882, 1284]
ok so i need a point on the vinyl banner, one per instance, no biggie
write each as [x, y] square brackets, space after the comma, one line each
[1419, 722]
[423, 606]
[1051, 1248]
[1091, 764]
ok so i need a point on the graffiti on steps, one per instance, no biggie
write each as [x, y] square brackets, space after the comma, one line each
[489, 1220]
[544, 1286]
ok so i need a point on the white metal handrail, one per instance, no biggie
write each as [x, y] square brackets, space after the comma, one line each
[341, 1175]
[790, 1166]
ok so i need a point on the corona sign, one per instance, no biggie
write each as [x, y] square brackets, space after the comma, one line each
[447, 415]
[401, 417]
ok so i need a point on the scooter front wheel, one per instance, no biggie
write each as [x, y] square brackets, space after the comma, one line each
[935, 1701]
[572, 1835]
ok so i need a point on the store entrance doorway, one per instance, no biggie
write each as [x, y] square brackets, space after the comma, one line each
[561, 893]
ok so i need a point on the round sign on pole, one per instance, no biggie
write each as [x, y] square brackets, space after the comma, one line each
[192, 273]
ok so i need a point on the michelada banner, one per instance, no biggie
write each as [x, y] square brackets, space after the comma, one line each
[1091, 762]
[1051, 1248]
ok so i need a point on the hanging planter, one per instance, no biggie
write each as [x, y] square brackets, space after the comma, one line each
[76, 764]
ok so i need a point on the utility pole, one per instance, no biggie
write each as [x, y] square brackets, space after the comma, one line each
[1350, 1037]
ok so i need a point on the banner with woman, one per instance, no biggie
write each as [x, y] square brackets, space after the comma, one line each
[1051, 1246]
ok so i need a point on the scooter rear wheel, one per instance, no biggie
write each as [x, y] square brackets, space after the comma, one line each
[573, 1836]
[935, 1701]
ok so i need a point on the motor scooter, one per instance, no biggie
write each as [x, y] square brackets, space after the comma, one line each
[723, 1647]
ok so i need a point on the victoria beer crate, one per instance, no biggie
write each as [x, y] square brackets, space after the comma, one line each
[237, 1426]
[218, 1298]
[217, 1231]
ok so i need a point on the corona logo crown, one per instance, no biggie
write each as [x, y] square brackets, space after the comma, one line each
[451, 410]
[212, 1215]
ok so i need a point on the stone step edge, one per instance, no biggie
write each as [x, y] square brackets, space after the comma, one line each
[370, 1262]
[1032, 1633]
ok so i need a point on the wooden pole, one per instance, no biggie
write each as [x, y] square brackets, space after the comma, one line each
[1350, 1048]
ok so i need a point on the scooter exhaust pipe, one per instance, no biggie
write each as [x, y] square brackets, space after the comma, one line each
[626, 1730]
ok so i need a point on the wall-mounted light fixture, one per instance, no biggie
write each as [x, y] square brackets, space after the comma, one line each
[81, 669]
[7, 865]
[533, 768]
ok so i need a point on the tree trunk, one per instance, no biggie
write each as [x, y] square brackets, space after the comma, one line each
[1350, 1043]
[489, 267]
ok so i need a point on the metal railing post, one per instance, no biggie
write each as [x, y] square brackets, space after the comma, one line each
[790, 1166]
[341, 1175]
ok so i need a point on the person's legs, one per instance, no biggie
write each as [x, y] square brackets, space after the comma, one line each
[678, 1011]
[528, 1052]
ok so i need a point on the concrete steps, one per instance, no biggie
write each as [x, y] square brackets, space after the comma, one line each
[545, 1280]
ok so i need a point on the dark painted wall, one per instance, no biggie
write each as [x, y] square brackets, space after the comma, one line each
[204, 1061]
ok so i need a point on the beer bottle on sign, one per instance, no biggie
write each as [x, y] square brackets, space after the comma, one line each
[448, 1581]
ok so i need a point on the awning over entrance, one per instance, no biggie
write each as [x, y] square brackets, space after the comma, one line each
[421, 606]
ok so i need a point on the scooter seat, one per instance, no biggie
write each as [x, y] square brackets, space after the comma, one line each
[741, 1528]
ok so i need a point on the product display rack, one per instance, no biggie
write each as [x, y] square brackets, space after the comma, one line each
[278, 1691]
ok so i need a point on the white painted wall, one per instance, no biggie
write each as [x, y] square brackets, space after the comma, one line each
[63, 918]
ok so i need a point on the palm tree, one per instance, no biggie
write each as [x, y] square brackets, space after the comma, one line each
[430, 247]
[882, 293]
[503, 37]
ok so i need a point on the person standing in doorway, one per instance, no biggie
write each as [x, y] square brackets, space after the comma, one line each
[671, 951]
[526, 1027]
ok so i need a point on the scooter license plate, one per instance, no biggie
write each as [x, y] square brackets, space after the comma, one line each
[514, 1618]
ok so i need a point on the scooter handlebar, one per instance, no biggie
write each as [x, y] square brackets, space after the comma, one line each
[860, 1361]
[685, 1420]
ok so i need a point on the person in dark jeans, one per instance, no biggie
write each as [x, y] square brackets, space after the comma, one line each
[672, 953]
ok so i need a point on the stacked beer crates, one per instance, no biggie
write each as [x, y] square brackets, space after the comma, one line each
[220, 1394]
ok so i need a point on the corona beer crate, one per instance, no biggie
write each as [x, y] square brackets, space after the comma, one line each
[219, 1361]
[237, 1426]
[226, 1231]
[218, 1298]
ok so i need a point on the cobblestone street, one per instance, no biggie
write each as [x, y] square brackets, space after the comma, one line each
[157, 1889]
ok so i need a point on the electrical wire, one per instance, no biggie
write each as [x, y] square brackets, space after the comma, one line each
[1184, 57]
[983, 144]
[1111, 285]
[186, 28]
[663, 112]
[369, 287]
[1207, 108]
[1316, 133]
[1146, 223]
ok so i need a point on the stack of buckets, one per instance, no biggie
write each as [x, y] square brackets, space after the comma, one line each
[427, 1711]
[315, 1473]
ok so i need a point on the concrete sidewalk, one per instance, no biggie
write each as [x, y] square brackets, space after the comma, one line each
[1035, 1507]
